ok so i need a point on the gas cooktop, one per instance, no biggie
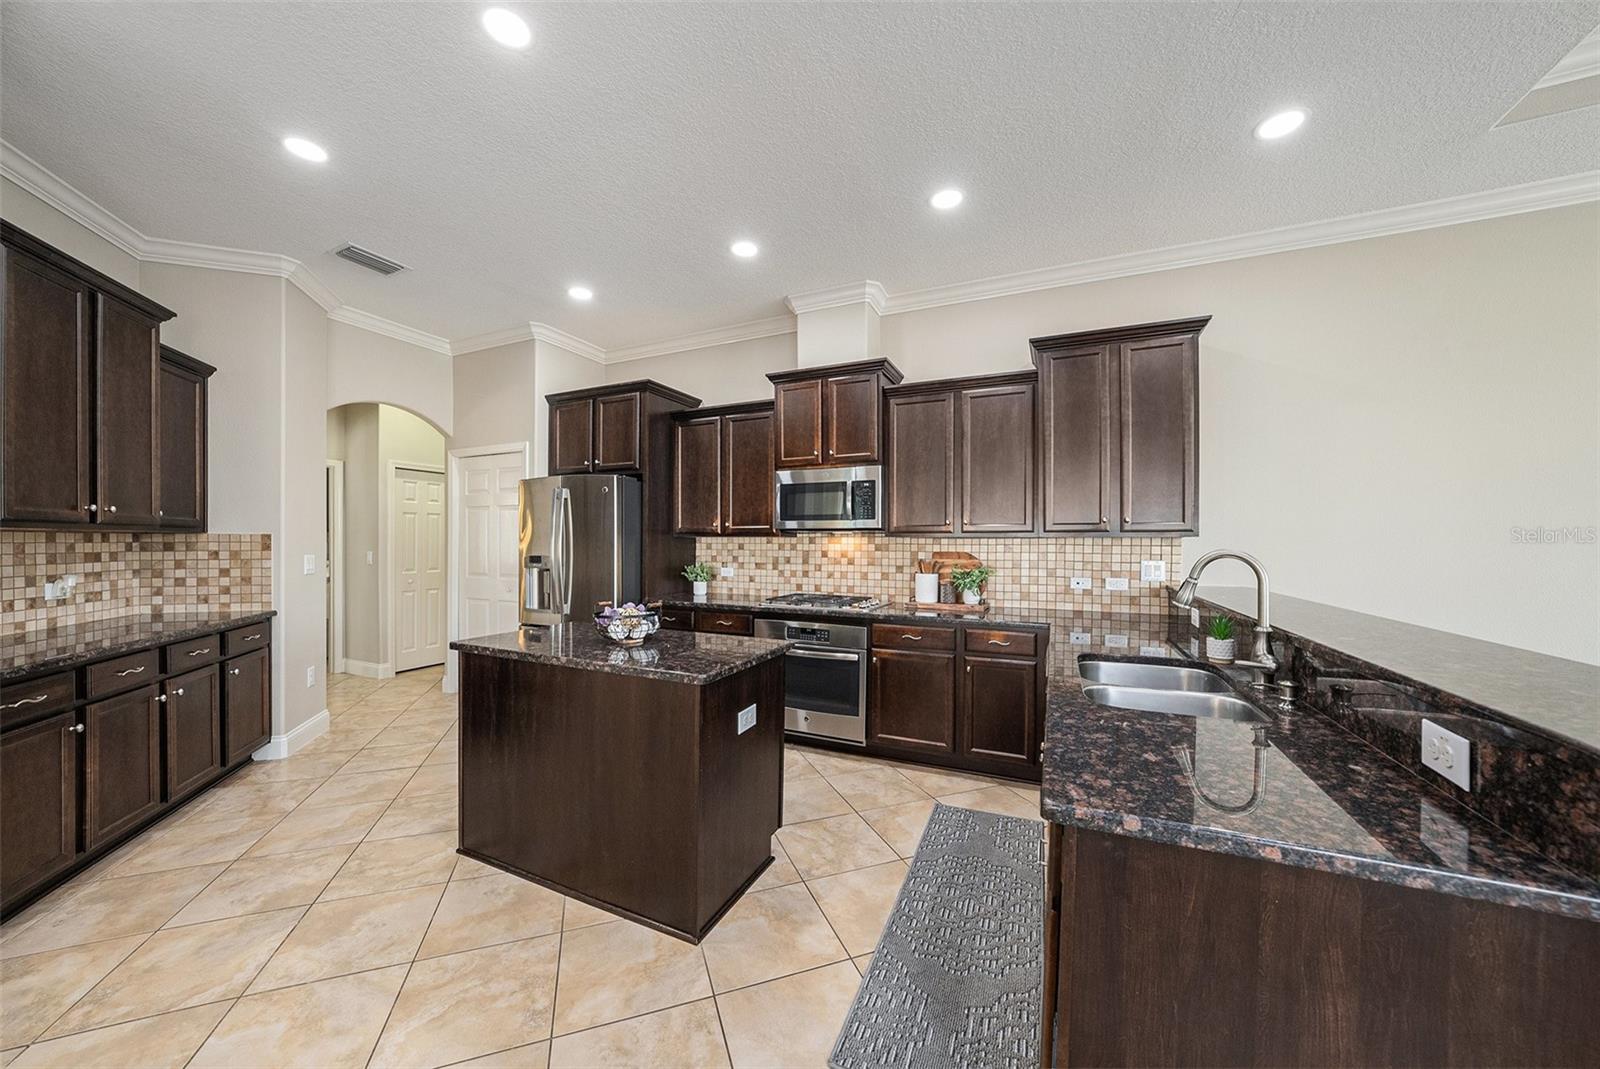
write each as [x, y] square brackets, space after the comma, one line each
[826, 601]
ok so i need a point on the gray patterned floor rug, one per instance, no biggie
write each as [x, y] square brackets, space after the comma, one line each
[958, 975]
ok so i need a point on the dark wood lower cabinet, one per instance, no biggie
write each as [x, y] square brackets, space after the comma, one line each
[38, 803]
[1169, 955]
[247, 702]
[912, 701]
[122, 758]
[999, 709]
[194, 731]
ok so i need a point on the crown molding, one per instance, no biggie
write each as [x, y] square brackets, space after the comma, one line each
[570, 342]
[217, 258]
[1582, 62]
[355, 317]
[705, 339]
[1534, 196]
[28, 173]
[312, 287]
[493, 339]
[864, 292]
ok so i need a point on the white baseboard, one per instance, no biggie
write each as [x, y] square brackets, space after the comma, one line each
[339, 665]
[368, 669]
[282, 746]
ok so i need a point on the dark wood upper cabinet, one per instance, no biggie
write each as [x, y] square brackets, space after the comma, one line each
[921, 474]
[194, 730]
[697, 476]
[81, 438]
[912, 699]
[1160, 439]
[748, 464]
[246, 705]
[47, 394]
[38, 803]
[830, 416]
[1075, 438]
[1123, 400]
[997, 449]
[122, 763]
[572, 437]
[797, 422]
[183, 441]
[616, 432]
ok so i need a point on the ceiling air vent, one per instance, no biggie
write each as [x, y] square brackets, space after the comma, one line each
[369, 259]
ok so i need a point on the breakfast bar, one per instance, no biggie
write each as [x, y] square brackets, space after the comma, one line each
[645, 781]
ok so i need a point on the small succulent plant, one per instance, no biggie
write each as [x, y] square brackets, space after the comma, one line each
[698, 573]
[1221, 628]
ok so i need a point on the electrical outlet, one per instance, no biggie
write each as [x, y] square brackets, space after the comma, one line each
[311, 676]
[1079, 638]
[1447, 753]
[725, 572]
[311, 564]
[747, 719]
[1194, 617]
[1116, 583]
[369, 556]
[1081, 582]
[1152, 571]
[1152, 651]
[55, 590]
[1116, 641]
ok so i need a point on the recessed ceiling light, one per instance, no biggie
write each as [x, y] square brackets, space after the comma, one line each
[507, 27]
[945, 199]
[306, 150]
[744, 249]
[1280, 125]
[581, 293]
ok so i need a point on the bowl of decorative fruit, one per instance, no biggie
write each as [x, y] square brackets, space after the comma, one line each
[627, 624]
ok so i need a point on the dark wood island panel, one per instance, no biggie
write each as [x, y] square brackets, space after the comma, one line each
[638, 795]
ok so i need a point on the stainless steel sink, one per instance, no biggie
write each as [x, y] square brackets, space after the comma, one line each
[1152, 676]
[1176, 702]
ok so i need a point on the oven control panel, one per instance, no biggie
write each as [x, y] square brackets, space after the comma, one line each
[818, 635]
[864, 499]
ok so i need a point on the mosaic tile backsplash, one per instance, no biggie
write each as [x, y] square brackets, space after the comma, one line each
[1030, 574]
[122, 574]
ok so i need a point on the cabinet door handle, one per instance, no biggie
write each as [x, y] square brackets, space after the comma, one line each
[1102, 521]
[180, 692]
[92, 508]
[997, 642]
[233, 671]
[1126, 519]
[131, 671]
[913, 638]
[76, 727]
[969, 669]
[111, 508]
[161, 698]
[25, 701]
[196, 653]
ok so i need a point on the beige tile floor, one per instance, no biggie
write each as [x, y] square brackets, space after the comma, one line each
[313, 912]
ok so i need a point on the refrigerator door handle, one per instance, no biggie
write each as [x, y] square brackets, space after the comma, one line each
[566, 551]
[616, 549]
[557, 565]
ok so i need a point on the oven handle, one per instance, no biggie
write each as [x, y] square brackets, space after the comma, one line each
[821, 656]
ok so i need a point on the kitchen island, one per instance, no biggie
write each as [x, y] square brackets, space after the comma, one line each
[647, 782]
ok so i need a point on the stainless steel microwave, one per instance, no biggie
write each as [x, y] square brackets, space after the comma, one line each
[830, 499]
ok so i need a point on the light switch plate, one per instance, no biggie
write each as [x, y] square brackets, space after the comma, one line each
[1082, 582]
[1194, 617]
[747, 719]
[725, 572]
[369, 556]
[1116, 640]
[1447, 753]
[1152, 571]
[311, 564]
[1116, 583]
[311, 676]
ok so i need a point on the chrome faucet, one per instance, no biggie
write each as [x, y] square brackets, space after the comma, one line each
[1261, 664]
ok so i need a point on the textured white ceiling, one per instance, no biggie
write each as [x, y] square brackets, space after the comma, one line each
[632, 142]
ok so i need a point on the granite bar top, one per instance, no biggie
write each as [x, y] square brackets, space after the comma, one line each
[1553, 695]
[673, 656]
[55, 648]
[1295, 789]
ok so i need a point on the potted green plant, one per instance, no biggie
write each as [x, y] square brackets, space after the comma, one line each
[1219, 640]
[969, 581]
[699, 575]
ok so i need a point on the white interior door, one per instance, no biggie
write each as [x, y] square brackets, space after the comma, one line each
[488, 550]
[419, 569]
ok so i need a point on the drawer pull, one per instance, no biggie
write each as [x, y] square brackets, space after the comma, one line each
[251, 638]
[132, 671]
[724, 623]
[913, 638]
[997, 642]
[196, 653]
[25, 701]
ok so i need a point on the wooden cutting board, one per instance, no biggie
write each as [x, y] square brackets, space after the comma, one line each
[950, 559]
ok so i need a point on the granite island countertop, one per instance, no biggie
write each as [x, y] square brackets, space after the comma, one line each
[1295, 789]
[673, 656]
[57, 648]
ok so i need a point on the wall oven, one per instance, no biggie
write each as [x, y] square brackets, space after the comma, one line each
[824, 677]
[830, 499]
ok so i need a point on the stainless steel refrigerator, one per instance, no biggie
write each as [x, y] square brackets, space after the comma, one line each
[580, 538]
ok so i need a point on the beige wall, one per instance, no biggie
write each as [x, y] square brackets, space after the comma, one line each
[22, 208]
[494, 396]
[368, 367]
[556, 369]
[304, 504]
[719, 375]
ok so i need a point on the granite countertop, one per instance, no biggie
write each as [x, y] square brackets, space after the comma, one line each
[1296, 789]
[1552, 695]
[674, 656]
[54, 648]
